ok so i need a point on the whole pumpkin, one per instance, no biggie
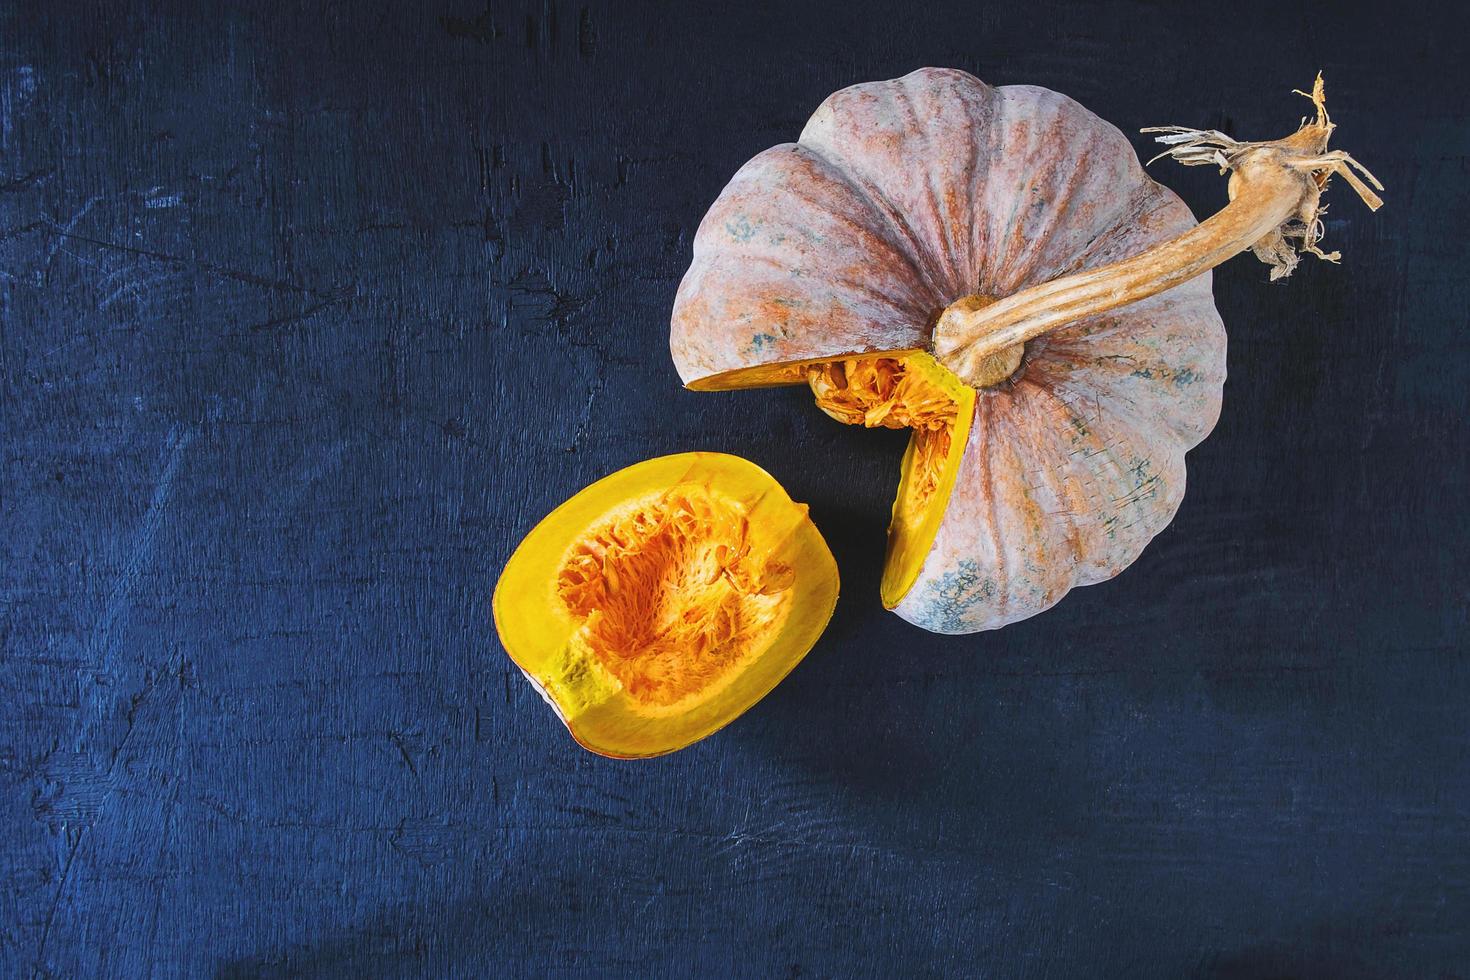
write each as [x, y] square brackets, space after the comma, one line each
[906, 204]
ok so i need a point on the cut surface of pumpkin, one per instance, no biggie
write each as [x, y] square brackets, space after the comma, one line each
[903, 389]
[658, 604]
[908, 391]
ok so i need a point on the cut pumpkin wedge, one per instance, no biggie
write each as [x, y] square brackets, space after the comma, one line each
[658, 604]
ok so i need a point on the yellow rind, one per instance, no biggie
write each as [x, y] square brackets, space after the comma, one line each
[907, 552]
[783, 372]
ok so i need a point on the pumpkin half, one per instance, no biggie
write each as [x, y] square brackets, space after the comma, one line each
[890, 258]
[658, 604]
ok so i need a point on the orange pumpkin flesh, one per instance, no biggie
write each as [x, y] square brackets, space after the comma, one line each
[912, 391]
[660, 603]
[904, 389]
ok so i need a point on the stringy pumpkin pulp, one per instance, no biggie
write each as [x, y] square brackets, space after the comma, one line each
[671, 595]
[895, 392]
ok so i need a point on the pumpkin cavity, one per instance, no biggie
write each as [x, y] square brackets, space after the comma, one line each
[903, 390]
[673, 594]
[894, 393]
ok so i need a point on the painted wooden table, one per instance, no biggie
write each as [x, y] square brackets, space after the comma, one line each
[306, 317]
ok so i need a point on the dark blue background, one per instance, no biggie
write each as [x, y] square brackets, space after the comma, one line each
[306, 318]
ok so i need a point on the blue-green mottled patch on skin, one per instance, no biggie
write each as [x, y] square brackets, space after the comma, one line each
[761, 342]
[1180, 379]
[740, 229]
[1142, 479]
[954, 594]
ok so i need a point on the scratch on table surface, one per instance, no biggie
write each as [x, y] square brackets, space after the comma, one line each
[397, 739]
[316, 464]
[586, 418]
[71, 856]
[104, 633]
[15, 94]
[209, 268]
[130, 285]
[157, 199]
[165, 841]
[301, 315]
[63, 232]
[101, 639]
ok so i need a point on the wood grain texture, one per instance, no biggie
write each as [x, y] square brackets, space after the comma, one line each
[307, 315]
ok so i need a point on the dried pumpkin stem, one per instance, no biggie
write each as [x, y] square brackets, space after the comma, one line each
[1275, 211]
